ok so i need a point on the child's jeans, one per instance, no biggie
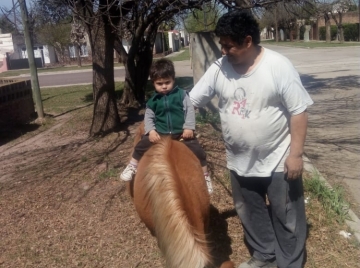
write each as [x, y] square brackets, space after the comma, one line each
[144, 144]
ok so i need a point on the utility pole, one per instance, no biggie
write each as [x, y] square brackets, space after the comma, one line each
[30, 52]
[204, 11]
[276, 26]
[15, 14]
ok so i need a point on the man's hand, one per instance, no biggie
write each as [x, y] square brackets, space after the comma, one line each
[293, 167]
[188, 134]
[154, 137]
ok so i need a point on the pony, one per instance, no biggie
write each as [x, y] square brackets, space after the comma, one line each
[171, 198]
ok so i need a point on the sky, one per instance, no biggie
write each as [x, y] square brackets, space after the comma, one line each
[6, 3]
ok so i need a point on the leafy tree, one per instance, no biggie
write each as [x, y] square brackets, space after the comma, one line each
[203, 20]
[57, 36]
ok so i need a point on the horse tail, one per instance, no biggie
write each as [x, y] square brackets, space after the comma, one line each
[181, 245]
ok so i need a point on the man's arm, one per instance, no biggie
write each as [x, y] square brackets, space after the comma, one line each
[294, 162]
[189, 113]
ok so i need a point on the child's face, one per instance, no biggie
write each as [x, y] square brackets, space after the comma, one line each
[164, 85]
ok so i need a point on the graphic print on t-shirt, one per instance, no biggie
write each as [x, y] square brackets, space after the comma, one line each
[240, 106]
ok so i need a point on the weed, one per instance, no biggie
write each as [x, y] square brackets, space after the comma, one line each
[108, 174]
[207, 117]
[332, 199]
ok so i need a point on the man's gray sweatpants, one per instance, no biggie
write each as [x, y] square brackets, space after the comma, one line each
[280, 231]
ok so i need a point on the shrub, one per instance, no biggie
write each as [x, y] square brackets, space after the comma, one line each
[351, 31]
[333, 32]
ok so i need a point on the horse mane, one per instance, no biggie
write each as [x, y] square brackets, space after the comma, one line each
[179, 242]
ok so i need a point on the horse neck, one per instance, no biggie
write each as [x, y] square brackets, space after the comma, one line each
[181, 245]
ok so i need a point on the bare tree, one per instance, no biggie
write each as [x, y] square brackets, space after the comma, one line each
[99, 18]
[339, 7]
[77, 38]
[140, 25]
[108, 23]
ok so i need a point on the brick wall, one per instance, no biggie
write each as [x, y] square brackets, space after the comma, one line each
[16, 102]
[349, 17]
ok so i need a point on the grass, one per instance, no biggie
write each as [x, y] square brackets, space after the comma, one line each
[332, 199]
[182, 56]
[311, 44]
[205, 116]
[59, 100]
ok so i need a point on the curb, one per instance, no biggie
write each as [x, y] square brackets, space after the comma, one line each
[354, 222]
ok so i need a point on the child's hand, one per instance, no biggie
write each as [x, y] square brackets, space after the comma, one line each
[188, 134]
[154, 136]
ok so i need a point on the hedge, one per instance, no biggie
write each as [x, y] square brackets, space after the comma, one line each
[351, 32]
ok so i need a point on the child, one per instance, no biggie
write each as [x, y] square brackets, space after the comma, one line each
[168, 112]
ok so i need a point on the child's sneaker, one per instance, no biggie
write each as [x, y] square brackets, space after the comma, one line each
[208, 183]
[128, 173]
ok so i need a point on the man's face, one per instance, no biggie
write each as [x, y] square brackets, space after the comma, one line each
[164, 85]
[236, 54]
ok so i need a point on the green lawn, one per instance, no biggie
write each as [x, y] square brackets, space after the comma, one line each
[311, 44]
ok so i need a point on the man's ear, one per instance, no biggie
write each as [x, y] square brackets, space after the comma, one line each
[248, 41]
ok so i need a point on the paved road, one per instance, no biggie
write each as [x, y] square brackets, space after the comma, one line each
[71, 77]
[85, 76]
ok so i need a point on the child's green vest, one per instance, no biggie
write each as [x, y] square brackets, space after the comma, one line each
[169, 111]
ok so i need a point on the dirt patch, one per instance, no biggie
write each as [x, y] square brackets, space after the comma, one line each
[333, 141]
[62, 205]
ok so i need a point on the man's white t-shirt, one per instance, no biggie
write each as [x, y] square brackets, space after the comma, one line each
[255, 111]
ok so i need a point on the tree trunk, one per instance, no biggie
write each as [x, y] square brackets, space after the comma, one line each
[105, 114]
[327, 28]
[78, 48]
[341, 29]
[297, 32]
[137, 65]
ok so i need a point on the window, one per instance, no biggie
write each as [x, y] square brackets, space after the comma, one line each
[83, 51]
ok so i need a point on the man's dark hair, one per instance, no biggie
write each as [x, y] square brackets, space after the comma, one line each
[237, 25]
[162, 68]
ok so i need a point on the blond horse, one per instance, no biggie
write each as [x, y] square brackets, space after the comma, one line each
[171, 198]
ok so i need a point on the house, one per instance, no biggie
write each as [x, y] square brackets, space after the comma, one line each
[13, 51]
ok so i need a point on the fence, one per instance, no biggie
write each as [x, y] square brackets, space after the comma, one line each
[16, 102]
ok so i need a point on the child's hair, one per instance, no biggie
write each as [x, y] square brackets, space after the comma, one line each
[162, 68]
[237, 25]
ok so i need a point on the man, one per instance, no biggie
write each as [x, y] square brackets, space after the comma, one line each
[262, 105]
